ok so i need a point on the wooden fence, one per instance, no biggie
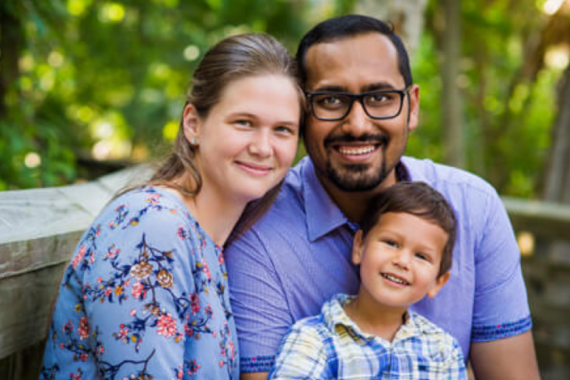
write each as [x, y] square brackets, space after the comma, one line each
[40, 228]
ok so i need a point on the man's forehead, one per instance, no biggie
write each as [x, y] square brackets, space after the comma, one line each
[372, 57]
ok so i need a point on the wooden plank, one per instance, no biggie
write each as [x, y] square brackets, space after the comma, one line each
[39, 230]
[32, 214]
[27, 301]
[127, 177]
[545, 219]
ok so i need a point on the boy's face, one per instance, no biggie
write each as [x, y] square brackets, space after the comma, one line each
[399, 259]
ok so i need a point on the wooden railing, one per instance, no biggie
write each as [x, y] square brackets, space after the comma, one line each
[38, 232]
[547, 277]
[40, 228]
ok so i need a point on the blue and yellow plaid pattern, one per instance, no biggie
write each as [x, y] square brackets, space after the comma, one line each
[331, 346]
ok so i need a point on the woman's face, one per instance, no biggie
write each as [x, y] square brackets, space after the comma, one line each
[249, 139]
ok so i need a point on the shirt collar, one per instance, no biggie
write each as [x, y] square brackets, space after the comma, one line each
[334, 315]
[323, 215]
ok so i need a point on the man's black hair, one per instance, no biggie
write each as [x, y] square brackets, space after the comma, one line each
[347, 26]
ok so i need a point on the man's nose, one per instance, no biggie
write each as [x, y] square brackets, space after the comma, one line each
[357, 122]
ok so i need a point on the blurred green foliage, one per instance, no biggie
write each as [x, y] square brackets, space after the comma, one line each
[508, 115]
[107, 79]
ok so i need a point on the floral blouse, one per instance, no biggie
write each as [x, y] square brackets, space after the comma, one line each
[144, 297]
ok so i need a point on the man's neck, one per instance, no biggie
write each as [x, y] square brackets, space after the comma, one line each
[354, 204]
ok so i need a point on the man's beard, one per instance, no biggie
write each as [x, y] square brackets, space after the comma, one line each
[353, 178]
[358, 177]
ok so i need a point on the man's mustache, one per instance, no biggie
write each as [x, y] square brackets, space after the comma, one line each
[365, 138]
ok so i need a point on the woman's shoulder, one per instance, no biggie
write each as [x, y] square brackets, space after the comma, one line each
[145, 204]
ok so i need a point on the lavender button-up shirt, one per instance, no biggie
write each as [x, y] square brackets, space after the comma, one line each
[299, 255]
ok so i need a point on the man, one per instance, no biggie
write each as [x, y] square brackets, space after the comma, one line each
[363, 104]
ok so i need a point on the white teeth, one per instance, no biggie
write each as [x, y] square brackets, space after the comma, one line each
[355, 151]
[394, 279]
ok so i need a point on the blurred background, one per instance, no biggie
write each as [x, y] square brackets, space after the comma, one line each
[88, 84]
[91, 86]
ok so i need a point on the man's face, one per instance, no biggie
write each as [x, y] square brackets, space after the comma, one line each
[358, 153]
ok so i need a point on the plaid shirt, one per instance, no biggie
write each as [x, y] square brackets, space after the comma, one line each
[331, 346]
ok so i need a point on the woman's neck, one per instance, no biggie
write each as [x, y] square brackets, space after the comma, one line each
[216, 214]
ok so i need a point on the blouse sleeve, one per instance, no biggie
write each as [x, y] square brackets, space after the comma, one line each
[124, 300]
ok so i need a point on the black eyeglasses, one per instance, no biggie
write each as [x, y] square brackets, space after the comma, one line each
[334, 106]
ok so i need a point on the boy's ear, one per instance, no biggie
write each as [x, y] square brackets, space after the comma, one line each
[192, 124]
[357, 246]
[439, 282]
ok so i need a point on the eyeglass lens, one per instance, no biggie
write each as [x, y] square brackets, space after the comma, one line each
[381, 104]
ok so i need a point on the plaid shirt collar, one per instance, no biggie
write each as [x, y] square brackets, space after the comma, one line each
[335, 317]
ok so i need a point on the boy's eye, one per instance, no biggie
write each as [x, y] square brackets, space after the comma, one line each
[422, 256]
[390, 243]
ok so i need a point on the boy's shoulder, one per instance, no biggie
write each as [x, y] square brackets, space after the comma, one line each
[430, 333]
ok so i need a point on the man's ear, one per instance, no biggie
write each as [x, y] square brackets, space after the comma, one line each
[439, 282]
[192, 124]
[357, 247]
[414, 96]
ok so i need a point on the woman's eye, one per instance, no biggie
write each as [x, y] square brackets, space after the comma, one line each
[285, 130]
[244, 123]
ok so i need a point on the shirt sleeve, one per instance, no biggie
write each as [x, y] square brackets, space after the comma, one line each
[302, 355]
[500, 307]
[258, 301]
[137, 298]
[455, 368]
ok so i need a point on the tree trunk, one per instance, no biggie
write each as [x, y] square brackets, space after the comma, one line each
[453, 130]
[407, 17]
[557, 178]
[11, 39]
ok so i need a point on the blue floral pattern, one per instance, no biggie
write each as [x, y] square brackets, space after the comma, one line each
[144, 297]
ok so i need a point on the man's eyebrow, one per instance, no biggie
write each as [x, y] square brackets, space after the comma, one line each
[330, 88]
[378, 87]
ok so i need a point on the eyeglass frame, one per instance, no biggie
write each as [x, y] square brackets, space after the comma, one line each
[359, 97]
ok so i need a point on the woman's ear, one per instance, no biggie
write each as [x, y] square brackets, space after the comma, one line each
[357, 246]
[192, 124]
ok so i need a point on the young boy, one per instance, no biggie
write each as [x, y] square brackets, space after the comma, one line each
[404, 249]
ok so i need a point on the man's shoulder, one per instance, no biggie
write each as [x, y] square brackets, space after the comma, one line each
[288, 209]
[447, 179]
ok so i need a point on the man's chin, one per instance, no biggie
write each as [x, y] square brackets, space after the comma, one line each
[351, 182]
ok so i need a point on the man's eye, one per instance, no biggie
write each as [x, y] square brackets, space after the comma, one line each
[380, 98]
[330, 101]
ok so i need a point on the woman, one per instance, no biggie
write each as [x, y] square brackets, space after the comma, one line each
[145, 295]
